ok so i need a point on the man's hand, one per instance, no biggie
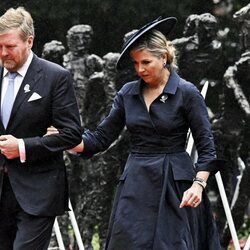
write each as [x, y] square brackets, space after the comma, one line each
[9, 146]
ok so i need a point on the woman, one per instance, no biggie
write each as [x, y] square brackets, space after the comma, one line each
[160, 202]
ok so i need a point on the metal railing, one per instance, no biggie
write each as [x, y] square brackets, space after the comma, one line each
[75, 230]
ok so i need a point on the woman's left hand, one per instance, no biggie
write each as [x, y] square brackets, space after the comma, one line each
[51, 130]
[193, 196]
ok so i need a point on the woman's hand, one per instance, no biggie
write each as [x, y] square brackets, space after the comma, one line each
[51, 130]
[193, 196]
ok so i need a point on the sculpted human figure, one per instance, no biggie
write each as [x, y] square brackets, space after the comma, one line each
[234, 123]
[105, 82]
[79, 61]
[54, 51]
[199, 47]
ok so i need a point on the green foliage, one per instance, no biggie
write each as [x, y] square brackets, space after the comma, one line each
[244, 231]
[95, 240]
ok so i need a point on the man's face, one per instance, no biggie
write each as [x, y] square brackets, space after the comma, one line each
[14, 51]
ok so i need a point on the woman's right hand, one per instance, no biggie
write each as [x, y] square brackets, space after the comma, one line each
[51, 130]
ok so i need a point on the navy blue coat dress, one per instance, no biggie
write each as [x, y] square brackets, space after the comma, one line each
[146, 213]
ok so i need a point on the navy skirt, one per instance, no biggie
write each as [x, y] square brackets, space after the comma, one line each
[146, 213]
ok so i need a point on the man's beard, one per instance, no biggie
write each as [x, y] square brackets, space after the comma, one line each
[8, 64]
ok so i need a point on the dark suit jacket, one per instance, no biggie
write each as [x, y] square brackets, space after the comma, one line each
[40, 184]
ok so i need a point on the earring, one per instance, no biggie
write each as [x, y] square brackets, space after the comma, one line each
[166, 65]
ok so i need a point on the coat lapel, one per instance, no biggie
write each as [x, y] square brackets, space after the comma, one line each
[32, 76]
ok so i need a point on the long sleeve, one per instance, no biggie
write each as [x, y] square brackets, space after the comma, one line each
[200, 126]
[107, 131]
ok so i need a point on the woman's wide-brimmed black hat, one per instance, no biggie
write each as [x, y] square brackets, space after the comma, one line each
[165, 26]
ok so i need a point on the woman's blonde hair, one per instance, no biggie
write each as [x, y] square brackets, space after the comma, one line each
[17, 19]
[157, 44]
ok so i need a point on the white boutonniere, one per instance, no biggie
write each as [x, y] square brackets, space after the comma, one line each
[164, 98]
[26, 88]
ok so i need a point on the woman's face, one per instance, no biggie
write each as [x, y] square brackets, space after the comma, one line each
[148, 66]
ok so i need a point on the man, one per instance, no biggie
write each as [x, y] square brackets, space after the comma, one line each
[32, 177]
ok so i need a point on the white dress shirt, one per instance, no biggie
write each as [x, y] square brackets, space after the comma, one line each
[17, 84]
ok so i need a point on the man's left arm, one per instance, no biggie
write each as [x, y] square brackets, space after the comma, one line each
[65, 117]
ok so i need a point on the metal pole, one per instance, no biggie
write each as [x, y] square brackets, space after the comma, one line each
[247, 245]
[58, 235]
[242, 167]
[227, 211]
[75, 227]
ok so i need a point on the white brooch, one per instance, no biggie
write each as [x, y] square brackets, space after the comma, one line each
[164, 98]
[26, 88]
